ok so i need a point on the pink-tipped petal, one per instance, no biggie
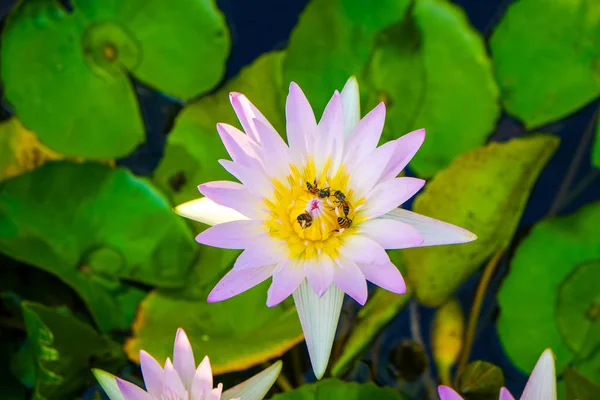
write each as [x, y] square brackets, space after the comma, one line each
[152, 373]
[390, 194]
[236, 282]
[247, 113]
[319, 274]
[384, 275]
[447, 393]
[108, 383]
[365, 136]
[255, 388]
[275, 153]
[202, 383]
[361, 249]
[542, 382]
[266, 250]
[301, 124]
[405, 149]
[241, 148]
[172, 385]
[286, 278]
[183, 358]
[232, 235]
[330, 131]
[208, 212]
[348, 277]
[234, 195]
[253, 179]
[131, 391]
[434, 232]
[365, 174]
[319, 318]
[505, 394]
[391, 234]
[351, 102]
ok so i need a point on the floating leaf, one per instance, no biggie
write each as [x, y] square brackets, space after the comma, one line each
[66, 73]
[484, 191]
[447, 337]
[547, 58]
[579, 387]
[328, 389]
[90, 225]
[432, 70]
[194, 147]
[236, 334]
[545, 259]
[64, 349]
[339, 36]
[481, 381]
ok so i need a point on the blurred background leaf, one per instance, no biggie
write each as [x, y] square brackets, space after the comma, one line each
[336, 389]
[481, 380]
[547, 58]
[447, 338]
[543, 266]
[578, 387]
[484, 191]
[88, 224]
[66, 72]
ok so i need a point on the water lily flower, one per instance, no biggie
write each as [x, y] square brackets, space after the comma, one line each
[181, 380]
[315, 214]
[541, 383]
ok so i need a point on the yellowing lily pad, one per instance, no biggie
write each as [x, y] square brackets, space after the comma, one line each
[484, 191]
[335, 389]
[542, 287]
[66, 73]
[63, 351]
[92, 225]
[432, 70]
[547, 58]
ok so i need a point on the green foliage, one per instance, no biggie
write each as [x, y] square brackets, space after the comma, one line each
[484, 191]
[579, 387]
[66, 73]
[481, 380]
[63, 350]
[556, 259]
[335, 389]
[92, 225]
[547, 58]
[596, 147]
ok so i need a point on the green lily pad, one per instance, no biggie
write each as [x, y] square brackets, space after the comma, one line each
[481, 381]
[64, 349]
[92, 225]
[339, 36]
[329, 389]
[432, 70]
[66, 73]
[547, 58]
[236, 334]
[578, 387]
[484, 191]
[546, 259]
[194, 146]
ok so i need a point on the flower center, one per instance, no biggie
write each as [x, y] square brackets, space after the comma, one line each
[311, 212]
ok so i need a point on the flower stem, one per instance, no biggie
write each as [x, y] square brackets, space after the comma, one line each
[484, 282]
[297, 365]
[415, 331]
[284, 383]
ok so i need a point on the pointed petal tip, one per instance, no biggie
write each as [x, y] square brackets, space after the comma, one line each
[447, 393]
[505, 394]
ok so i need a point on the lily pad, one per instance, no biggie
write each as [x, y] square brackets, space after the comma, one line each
[64, 349]
[547, 58]
[328, 389]
[578, 387]
[547, 258]
[92, 225]
[66, 73]
[194, 146]
[481, 381]
[339, 36]
[236, 334]
[432, 70]
[484, 191]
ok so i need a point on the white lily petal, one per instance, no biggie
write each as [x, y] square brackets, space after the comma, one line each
[208, 212]
[255, 388]
[434, 232]
[319, 318]
[542, 382]
[108, 383]
[351, 103]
